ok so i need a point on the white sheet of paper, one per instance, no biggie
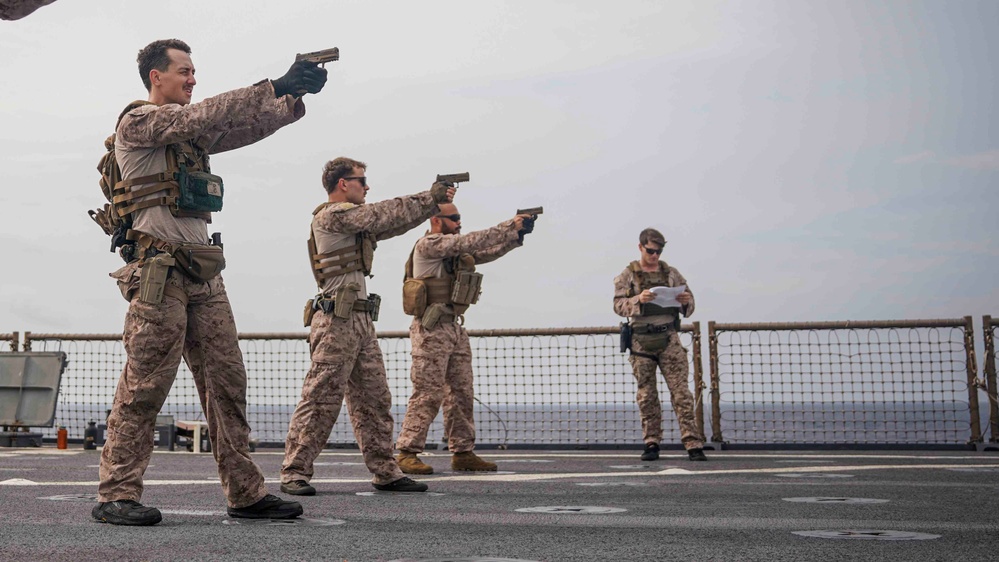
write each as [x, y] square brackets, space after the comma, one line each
[666, 296]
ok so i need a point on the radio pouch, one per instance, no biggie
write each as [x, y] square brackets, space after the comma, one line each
[199, 191]
[375, 303]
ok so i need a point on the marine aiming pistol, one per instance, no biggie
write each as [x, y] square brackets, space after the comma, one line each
[452, 179]
[533, 211]
[320, 57]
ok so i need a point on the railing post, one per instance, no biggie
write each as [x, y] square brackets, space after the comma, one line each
[699, 385]
[990, 378]
[15, 339]
[27, 342]
[716, 430]
[973, 382]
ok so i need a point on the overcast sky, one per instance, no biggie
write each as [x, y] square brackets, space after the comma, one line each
[805, 160]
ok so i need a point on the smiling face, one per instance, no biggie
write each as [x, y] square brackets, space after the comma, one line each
[176, 83]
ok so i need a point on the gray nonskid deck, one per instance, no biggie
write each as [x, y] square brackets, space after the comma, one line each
[541, 505]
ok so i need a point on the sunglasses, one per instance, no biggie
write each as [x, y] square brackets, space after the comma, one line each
[653, 251]
[362, 179]
[453, 218]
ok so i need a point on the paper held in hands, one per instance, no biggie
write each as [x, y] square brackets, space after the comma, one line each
[666, 296]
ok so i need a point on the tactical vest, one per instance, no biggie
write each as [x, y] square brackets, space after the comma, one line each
[357, 257]
[459, 287]
[187, 187]
[647, 280]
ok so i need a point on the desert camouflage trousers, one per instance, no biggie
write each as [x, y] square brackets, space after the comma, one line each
[156, 337]
[346, 359]
[441, 374]
[673, 363]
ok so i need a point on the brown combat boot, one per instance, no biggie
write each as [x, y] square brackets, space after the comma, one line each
[409, 463]
[471, 462]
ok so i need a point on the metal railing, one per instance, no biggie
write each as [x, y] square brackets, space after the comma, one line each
[845, 383]
[12, 340]
[860, 384]
[568, 386]
[989, 326]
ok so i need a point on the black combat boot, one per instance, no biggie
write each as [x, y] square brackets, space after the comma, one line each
[651, 452]
[696, 455]
[404, 484]
[126, 512]
[271, 507]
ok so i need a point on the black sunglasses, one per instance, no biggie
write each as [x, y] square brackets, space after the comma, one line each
[453, 218]
[652, 251]
[362, 179]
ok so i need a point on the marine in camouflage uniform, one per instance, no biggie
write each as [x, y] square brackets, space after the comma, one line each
[193, 321]
[17, 9]
[442, 356]
[346, 359]
[656, 343]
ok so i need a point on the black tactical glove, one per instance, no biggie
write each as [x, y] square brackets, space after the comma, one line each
[526, 229]
[302, 78]
[439, 192]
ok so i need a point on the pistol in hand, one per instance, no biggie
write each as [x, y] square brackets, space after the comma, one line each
[452, 180]
[320, 57]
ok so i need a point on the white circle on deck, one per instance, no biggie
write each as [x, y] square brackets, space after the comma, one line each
[835, 500]
[809, 461]
[571, 509]
[976, 469]
[507, 461]
[477, 472]
[868, 535]
[338, 463]
[634, 466]
[813, 475]
[300, 522]
[72, 498]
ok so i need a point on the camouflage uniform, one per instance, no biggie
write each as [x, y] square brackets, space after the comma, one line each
[346, 358]
[672, 361]
[17, 9]
[202, 331]
[442, 356]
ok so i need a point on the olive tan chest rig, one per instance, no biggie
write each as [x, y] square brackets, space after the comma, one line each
[653, 337]
[187, 187]
[358, 256]
[458, 288]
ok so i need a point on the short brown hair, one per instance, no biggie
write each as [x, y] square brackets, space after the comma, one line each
[651, 235]
[154, 56]
[339, 168]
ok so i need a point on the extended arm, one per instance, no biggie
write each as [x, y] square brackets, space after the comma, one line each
[382, 219]
[248, 109]
[475, 243]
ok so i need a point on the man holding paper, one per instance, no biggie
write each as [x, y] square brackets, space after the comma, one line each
[653, 295]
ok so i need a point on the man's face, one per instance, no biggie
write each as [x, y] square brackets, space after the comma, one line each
[176, 83]
[356, 186]
[651, 252]
[450, 218]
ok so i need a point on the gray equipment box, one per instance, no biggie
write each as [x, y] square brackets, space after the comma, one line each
[29, 392]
